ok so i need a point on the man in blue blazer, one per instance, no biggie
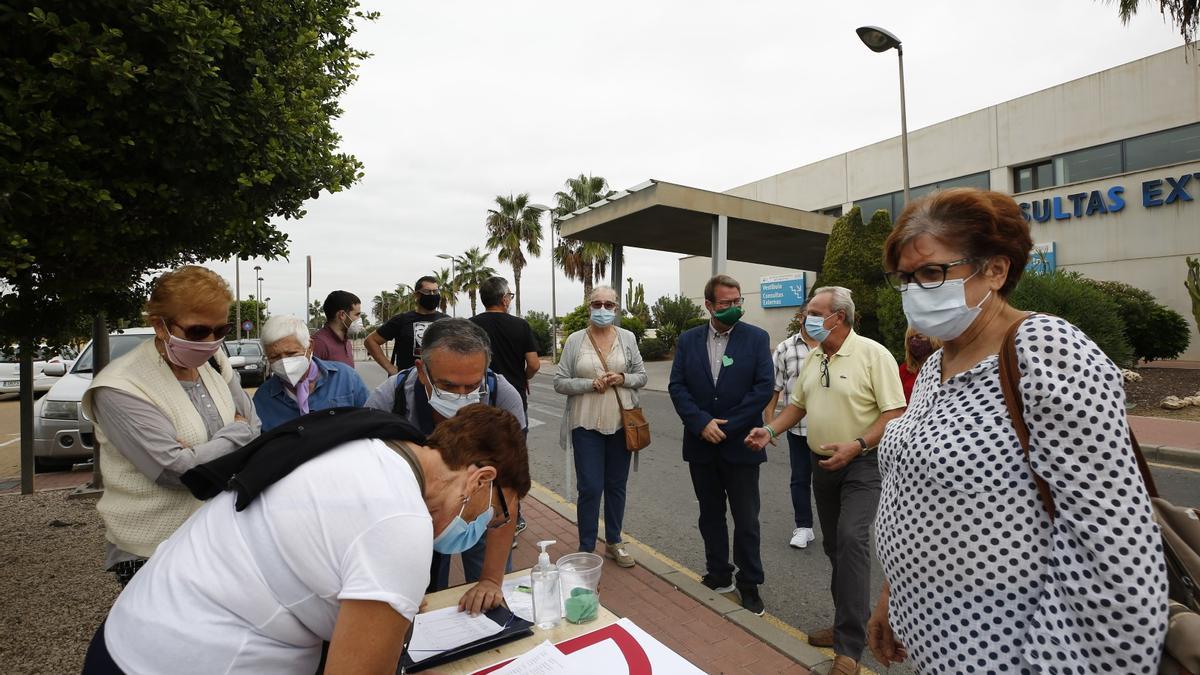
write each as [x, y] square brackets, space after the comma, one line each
[721, 380]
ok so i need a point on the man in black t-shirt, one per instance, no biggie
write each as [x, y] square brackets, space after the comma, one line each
[514, 347]
[407, 329]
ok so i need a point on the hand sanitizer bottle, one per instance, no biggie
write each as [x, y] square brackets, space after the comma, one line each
[547, 601]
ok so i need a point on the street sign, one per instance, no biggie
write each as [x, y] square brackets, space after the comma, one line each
[782, 290]
[247, 326]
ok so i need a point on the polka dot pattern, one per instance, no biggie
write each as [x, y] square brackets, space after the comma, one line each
[981, 580]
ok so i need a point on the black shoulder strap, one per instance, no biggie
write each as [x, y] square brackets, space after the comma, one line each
[400, 402]
[492, 387]
[405, 452]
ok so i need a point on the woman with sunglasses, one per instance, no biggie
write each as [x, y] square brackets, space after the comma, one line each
[162, 409]
[600, 364]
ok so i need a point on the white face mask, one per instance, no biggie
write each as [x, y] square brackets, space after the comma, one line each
[941, 312]
[290, 368]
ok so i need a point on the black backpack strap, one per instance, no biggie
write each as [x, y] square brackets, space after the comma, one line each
[400, 402]
[493, 387]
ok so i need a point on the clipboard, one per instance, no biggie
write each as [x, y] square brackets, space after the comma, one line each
[515, 628]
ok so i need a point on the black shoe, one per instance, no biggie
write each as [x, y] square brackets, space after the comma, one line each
[521, 525]
[751, 600]
[724, 585]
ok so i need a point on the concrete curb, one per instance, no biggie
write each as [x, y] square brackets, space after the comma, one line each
[761, 627]
[1165, 454]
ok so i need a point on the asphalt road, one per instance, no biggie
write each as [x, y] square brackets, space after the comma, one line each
[661, 509]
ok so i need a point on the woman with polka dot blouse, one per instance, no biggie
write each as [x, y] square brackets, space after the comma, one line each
[979, 578]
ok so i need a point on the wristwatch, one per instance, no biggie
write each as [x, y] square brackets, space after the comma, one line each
[863, 445]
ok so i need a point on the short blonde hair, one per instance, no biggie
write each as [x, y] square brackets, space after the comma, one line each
[188, 289]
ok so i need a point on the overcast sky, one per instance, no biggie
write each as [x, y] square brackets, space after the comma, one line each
[463, 101]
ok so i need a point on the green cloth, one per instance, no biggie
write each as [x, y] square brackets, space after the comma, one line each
[582, 606]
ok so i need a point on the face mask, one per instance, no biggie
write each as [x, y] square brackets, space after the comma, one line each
[729, 315]
[291, 369]
[941, 312]
[429, 302]
[449, 408]
[460, 535]
[920, 349]
[603, 317]
[815, 327]
[188, 354]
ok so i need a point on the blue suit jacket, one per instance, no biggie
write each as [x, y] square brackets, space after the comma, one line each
[739, 395]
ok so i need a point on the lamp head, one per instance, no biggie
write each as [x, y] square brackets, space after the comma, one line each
[877, 39]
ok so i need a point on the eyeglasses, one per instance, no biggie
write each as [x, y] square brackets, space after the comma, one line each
[725, 304]
[200, 333]
[451, 396]
[825, 371]
[510, 295]
[603, 305]
[504, 510]
[428, 291]
[926, 276]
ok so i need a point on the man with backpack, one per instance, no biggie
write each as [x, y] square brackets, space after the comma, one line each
[454, 372]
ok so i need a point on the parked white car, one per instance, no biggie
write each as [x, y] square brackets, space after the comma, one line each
[10, 371]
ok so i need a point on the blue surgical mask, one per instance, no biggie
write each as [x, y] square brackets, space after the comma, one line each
[603, 317]
[448, 404]
[460, 535]
[815, 327]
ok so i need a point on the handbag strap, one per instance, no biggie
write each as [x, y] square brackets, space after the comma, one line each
[604, 364]
[1010, 385]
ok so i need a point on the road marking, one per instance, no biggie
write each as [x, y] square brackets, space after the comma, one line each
[535, 422]
[1174, 467]
[679, 567]
[546, 410]
[15, 440]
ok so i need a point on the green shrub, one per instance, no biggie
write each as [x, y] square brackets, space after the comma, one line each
[892, 322]
[634, 325]
[667, 333]
[540, 323]
[653, 349]
[576, 320]
[693, 322]
[1068, 295]
[675, 310]
[1153, 330]
[854, 260]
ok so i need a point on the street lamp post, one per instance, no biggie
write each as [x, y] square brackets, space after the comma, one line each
[553, 299]
[258, 298]
[453, 290]
[879, 40]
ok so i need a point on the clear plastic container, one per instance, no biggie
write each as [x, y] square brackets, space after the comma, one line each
[579, 578]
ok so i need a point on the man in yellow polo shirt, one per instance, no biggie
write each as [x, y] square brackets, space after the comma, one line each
[849, 389]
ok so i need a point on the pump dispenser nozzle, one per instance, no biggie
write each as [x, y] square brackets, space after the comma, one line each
[544, 556]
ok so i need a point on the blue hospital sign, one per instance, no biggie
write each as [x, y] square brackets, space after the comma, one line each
[782, 290]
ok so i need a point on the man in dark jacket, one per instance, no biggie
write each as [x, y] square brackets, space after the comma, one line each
[721, 380]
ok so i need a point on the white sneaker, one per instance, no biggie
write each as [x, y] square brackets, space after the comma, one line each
[801, 536]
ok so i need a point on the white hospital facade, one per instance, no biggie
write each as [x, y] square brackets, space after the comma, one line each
[1106, 168]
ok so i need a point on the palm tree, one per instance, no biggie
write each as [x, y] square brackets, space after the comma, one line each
[447, 290]
[390, 303]
[1184, 13]
[473, 270]
[511, 228]
[585, 261]
[316, 315]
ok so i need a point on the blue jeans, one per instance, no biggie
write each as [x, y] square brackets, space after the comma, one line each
[801, 479]
[601, 468]
[472, 559]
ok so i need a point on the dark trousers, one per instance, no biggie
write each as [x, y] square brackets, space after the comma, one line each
[472, 559]
[98, 661]
[714, 483]
[601, 470]
[801, 481]
[846, 503]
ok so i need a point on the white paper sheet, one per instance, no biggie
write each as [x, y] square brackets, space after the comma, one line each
[544, 659]
[445, 629]
[519, 602]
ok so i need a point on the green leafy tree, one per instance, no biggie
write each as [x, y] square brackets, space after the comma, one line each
[447, 290]
[576, 320]
[1068, 294]
[250, 309]
[676, 310]
[585, 261]
[1183, 13]
[139, 135]
[473, 270]
[316, 315]
[893, 324]
[1153, 330]
[853, 258]
[539, 322]
[512, 229]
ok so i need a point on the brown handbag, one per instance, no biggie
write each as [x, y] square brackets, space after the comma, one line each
[637, 429]
[1180, 529]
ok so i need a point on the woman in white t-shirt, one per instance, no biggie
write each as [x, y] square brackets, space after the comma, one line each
[336, 550]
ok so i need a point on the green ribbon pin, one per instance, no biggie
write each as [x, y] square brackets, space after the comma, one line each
[726, 361]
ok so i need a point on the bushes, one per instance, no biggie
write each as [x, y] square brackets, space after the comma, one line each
[667, 333]
[578, 320]
[1153, 330]
[892, 322]
[540, 323]
[677, 310]
[634, 325]
[693, 322]
[653, 349]
[1070, 296]
[854, 260]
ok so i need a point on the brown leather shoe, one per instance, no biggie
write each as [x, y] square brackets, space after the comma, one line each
[844, 665]
[821, 638]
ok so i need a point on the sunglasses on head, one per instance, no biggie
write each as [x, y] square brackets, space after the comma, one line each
[200, 333]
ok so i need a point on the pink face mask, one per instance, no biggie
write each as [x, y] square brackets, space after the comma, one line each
[188, 354]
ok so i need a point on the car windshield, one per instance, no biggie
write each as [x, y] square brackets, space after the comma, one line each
[244, 349]
[118, 346]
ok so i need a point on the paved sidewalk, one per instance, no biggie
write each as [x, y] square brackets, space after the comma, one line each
[709, 634]
[58, 480]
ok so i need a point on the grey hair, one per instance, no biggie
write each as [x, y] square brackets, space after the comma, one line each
[492, 291]
[460, 336]
[283, 326]
[610, 289]
[840, 301]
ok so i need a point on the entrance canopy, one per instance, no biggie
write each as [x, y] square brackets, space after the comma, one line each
[669, 217]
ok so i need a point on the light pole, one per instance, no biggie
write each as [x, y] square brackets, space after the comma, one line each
[237, 286]
[453, 291]
[553, 300]
[258, 298]
[879, 40]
